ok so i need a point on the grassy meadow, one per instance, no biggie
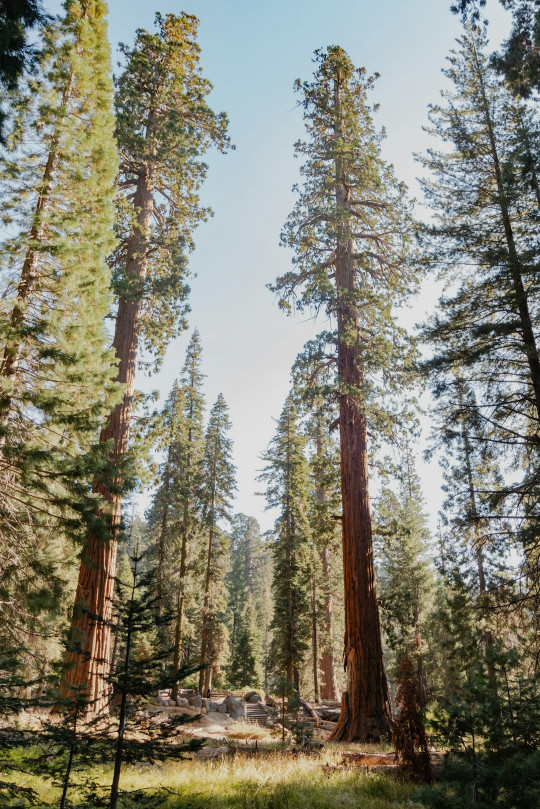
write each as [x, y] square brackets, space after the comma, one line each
[277, 780]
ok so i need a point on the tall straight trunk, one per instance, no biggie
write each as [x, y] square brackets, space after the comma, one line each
[186, 523]
[365, 707]
[180, 602]
[122, 716]
[315, 640]
[205, 675]
[515, 265]
[88, 665]
[163, 535]
[293, 679]
[329, 686]
[487, 635]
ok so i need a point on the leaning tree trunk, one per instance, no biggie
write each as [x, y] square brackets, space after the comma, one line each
[365, 707]
[526, 326]
[87, 661]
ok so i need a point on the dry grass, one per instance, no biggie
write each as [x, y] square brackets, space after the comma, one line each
[276, 780]
[249, 730]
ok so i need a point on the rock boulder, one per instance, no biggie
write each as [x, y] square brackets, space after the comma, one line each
[236, 707]
[195, 702]
[182, 702]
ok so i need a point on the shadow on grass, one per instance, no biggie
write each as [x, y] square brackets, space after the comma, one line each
[350, 792]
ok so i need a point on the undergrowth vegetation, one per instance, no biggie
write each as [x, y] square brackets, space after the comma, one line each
[276, 781]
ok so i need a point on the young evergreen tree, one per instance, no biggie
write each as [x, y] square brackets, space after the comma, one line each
[325, 508]
[405, 575]
[245, 585]
[190, 450]
[57, 185]
[164, 126]
[350, 233]
[286, 474]
[217, 489]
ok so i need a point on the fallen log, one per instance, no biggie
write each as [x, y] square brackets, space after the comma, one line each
[310, 710]
[369, 759]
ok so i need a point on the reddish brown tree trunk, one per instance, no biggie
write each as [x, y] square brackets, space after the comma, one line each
[365, 711]
[87, 665]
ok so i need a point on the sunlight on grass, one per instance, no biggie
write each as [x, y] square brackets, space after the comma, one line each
[274, 781]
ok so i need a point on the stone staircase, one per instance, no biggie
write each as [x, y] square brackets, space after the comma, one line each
[255, 714]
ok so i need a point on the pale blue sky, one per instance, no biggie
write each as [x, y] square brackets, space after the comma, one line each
[252, 53]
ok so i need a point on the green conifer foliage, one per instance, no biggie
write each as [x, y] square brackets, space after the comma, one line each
[190, 450]
[327, 574]
[217, 490]
[485, 198]
[350, 232]
[405, 575]
[286, 474]
[57, 186]
[17, 19]
[164, 125]
[246, 602]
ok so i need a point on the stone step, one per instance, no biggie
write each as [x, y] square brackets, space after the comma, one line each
[256, 714]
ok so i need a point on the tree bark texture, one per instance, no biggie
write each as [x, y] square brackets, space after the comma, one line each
[365, 711]
[88, 665]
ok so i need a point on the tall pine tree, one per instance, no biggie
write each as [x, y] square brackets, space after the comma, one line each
[286, 474]
[217, 489]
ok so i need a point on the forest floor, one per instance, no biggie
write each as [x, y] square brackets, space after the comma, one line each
[240, 766]
[272, 780]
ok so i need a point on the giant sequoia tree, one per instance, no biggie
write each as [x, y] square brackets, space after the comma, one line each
[349, 231]
[164, 126]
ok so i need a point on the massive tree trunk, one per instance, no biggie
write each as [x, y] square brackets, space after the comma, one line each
[365, 711]
[87, 661]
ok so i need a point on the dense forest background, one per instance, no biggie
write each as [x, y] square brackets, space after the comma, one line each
[352, 598]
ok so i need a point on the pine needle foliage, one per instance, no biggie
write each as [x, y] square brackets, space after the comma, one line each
[286, 474]
[57, 186]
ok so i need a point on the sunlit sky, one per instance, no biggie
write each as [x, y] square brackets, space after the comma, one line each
[252, 53]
